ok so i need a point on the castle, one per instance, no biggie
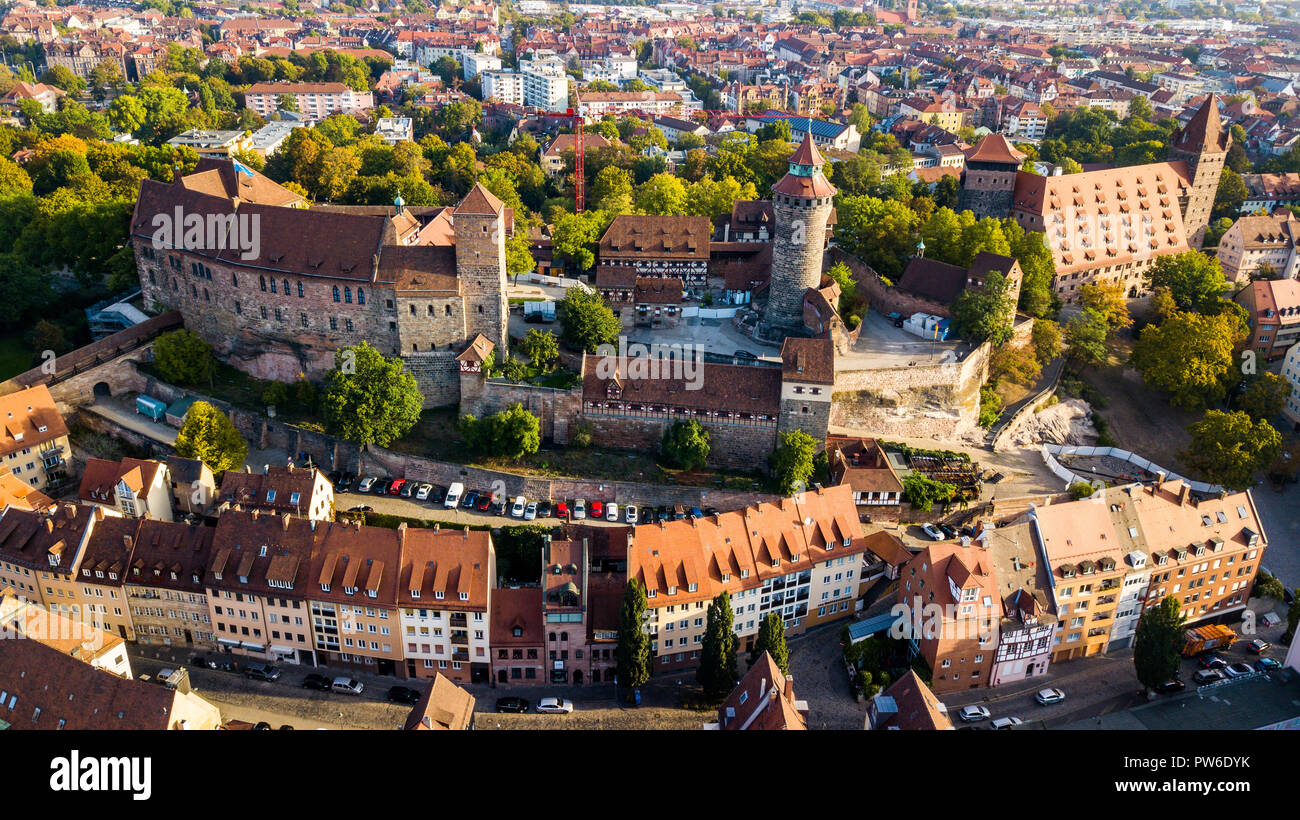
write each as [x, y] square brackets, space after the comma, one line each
[802, 202]
[1108, 225]
[416, 282]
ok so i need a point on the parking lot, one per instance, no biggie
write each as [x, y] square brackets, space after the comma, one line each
[503, 510]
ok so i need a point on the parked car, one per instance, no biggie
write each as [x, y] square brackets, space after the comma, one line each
[579, 509]
[1204, 676]
[333, 477]
[611, 512]
[453, 495]
[422, 493]
[204, 661]
[1237, 670]
[262, 726]
[403, 694]
[1265, 664]
[471, 498]
[512, 705]
[348, 686]
[366, 484]
[484, 503]
[393, 487]
[561, 510]
[518, 507]
[662, 513]
[629, 514]
[972, 713]
[408, 487]
[1007, 722]
[695, 512]
[1046, 697]
[543, 509]
[262, 671]
[1257, 647]
[744, 354]
[1170, 686]
[530, 512]
[555, 705]
[436, 495]
[361, 508]
[597, 509]
[498, 507]
[1212, 661]
[318, 682]
[948, 531]
[934, 532]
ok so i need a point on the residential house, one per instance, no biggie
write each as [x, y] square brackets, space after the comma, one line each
[763, 701]
[34, 445]
[908, 705]
[1273, 314]
[862, 464]
[442, 706]
[1261, 246]
[300, 491]
[135, 488]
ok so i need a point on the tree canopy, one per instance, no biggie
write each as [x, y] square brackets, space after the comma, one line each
[369, 399]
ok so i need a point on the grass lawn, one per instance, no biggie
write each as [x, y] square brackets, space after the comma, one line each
[15, 356]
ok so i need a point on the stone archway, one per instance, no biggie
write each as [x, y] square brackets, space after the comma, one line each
[102, 391]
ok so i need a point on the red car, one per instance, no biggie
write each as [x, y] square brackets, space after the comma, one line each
[484, 502]
[597, 509]
[561, 510]
[396, 486]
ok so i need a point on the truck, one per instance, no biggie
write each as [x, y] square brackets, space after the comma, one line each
[1204, 638]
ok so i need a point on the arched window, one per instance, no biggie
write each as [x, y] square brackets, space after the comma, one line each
[273, 285]
[262, 281]
[286, 287]
[361, 296]
[194, 292]
[564, 636]
[336, 293]
[347, 295]
[300, 290]
[552, 636]
[234, 279]
[206, 298]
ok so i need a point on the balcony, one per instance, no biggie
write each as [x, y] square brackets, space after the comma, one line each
[460, 638]
[458, 620]
[1105, 599]
[460, 655]
[1108, 585]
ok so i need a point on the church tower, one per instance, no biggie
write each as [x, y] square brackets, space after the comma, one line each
[480, 223]
[1203, 145]
[802, 201]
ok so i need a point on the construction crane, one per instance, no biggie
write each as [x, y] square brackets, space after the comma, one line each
[579, 172]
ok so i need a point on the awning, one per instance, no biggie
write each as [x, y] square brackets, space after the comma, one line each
[228, 641]
[256, 647]
[282, 650]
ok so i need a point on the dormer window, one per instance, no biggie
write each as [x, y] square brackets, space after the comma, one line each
[324, 587]
[349, 590]
[726, 576]
[99, 573]
[293, 498]
[651, 593]
[262, 552]
[464, 596]
[691, 588]
[744, 573]
[243, 579]
[672, 590]
[373, 593]
[776, 562]
[415, 593]
[217, 576]
[270, 496]
[438, 595]
[194, 577]
[42, 429]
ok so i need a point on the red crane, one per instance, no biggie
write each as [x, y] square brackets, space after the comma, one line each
[579, 173]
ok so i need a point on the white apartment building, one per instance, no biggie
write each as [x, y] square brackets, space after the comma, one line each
[316, 101]
[1291, 372]
[503, 86]
[476, 63]
[546, 92]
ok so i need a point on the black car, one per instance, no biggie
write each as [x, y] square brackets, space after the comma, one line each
[710, 510]
[1171, 686]
[262, 726]
[498, 507]
[519, 705]
[967, 531]
[403, 694]
[408, 488]
[361, 508]
[948, 531]
[470, 499]
[344, 484]
[262, 671]
[334, 477]
[318, 682]
[437, 494]
[662, 513]
[543, 509]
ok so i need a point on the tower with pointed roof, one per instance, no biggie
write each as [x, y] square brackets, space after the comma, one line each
[802, 203]
[991, 168]
[1203, 145]
[480, 222]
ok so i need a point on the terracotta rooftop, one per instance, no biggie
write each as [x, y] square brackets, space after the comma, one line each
[996, 148]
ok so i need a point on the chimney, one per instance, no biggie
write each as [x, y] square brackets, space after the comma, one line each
[401, 528]
[266, 469]
[49, 525]
[176, 173]
[70, 510]
[285, 520]
[789, 688]
[255, 513]
[1183, 492]
[1160, 479]
[466, 532]
[248, 469]
[128, 541]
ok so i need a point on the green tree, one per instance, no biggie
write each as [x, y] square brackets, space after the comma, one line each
[1195, 280]
[1107, 299]
[209, 436]
[182, 357]
[586, 322]
[287, 102]
[1230, 448]
[369, 399]
[880, 232]
[541, 348]
[923, 492]
[718, 672]
[1085, 338]
[1046, 340]
[1157, 643]
[661, 194]
[574, 238]
[793, 461]
[1266, 586]
[771, 639]
[686, 444]
[632, 654]
[1229, 196]
[985, 313]
[1188, 355]
[1265, 396]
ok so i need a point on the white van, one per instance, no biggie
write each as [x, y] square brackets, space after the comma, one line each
[453, 495]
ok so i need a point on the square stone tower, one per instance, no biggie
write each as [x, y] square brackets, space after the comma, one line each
[480, 222]
[1203, 145]
[807, 384]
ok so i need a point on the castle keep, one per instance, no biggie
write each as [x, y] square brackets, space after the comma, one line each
[802, 201]
[415, 282]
